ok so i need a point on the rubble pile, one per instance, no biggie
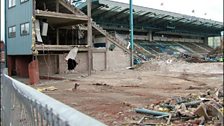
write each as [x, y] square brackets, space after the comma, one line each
[216, 54]
[160, 63]
[192, 110]
[167, 63]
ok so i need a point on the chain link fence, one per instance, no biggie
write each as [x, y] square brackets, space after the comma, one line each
[24, 106]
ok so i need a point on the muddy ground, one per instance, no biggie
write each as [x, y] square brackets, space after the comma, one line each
[112, 96]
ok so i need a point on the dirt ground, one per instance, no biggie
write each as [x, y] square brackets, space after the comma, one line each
[112, 96]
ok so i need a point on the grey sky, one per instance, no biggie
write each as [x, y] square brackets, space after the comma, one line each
[209, 9]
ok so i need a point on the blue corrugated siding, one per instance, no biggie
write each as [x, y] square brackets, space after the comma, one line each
[21, 13]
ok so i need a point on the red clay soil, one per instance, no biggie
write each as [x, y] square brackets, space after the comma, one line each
[112, 96]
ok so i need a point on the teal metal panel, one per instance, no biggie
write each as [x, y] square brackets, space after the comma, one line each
[21, 13]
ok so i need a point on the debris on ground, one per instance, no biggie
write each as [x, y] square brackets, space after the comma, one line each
[152, 90]
[203, 109]
[100, 84]
[51, 88]
[168, 65]
[75, 87]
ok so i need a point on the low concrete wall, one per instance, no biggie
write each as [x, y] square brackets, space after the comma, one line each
[82, 59]
[117, 59]
[99, 61]
[47, 65]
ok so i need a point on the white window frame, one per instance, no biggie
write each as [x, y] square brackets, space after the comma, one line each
[12, 31]
[25, 29]
[23, 1]
[12, 3]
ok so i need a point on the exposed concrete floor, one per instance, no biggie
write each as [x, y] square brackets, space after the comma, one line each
[114, 102]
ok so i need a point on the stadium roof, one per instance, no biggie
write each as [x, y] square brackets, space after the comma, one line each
[115, 15]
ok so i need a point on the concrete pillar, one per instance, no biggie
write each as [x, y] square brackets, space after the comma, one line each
[106, 53]
[57, 38]
[206, 40]
[89, 37]
[11, 65]
[57, 57]
[57, 6]
[150, 36]
[33, 69]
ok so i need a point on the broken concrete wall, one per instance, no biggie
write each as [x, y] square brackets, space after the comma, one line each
[117, 59]
[81, 59]
[99, 61]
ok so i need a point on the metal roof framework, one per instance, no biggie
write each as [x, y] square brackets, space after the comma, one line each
[113, 14]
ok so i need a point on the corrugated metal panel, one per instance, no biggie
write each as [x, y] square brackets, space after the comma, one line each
[21, 13]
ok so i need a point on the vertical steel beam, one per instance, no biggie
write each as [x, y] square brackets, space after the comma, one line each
[131, 32]
[89, 37]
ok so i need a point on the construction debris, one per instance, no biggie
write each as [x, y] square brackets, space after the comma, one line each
[51, 88]
[190, 110]
[100, 84]
[75, 87]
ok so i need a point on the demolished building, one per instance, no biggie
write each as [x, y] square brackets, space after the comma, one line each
[156, 31]
[45, 31]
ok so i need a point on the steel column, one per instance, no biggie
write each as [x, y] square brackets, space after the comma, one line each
[131, 31]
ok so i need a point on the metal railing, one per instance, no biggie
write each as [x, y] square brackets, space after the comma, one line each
[24, 106]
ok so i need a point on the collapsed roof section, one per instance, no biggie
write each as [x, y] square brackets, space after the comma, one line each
[115, 15]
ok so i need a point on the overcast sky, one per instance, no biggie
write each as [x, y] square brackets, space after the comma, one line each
[209, 9]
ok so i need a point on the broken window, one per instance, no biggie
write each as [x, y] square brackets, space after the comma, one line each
[24, 29]
[12, 32]
[12, 3]
[23, 1]
[112, 47]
